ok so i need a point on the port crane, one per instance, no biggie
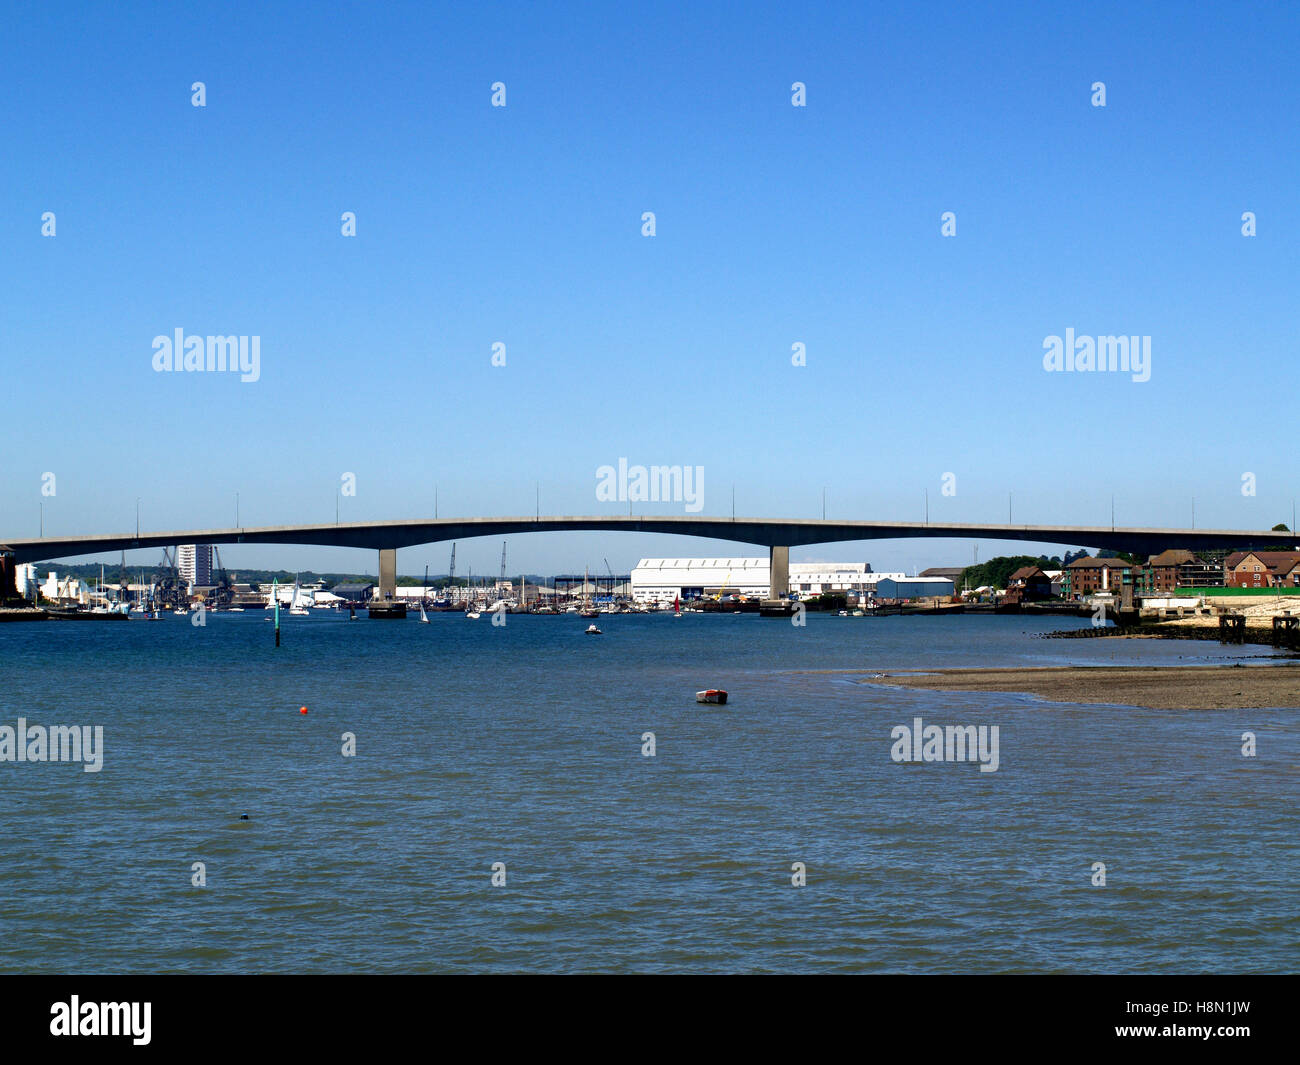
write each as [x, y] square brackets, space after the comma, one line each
[168, 589]
[225, 592]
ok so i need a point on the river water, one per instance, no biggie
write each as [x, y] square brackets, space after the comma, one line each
[523, 745]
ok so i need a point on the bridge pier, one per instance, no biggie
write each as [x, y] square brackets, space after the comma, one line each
[778, 586]
[776, 605]
[384, 604]
[387, 573]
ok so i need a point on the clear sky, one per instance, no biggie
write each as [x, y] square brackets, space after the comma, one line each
[522, 225]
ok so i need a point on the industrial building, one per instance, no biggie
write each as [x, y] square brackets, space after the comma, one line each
[661, 580]
[900, 587]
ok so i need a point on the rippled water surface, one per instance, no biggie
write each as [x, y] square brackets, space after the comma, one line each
[522, 745]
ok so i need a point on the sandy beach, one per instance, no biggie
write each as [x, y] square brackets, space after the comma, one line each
[1153, 687]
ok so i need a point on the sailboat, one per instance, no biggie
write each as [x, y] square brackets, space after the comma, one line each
[424, 591]
[588, 608]
[296, 609]
[471, 611]
[677, 606]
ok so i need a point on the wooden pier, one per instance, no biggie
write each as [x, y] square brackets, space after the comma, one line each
[1232, 628]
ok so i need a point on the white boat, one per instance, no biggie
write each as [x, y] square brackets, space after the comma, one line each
[473, 615]
[711, 695]
[296, 608]
[593, 631]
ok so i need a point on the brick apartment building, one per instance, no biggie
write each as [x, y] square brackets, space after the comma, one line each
[1262, 569]
[1168, 571]
[1088, 576]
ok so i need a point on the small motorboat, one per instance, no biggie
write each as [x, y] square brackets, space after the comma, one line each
[593, 631]
[473, 615]
[711, 695]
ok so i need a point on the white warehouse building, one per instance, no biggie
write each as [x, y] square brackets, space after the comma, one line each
[660, 580]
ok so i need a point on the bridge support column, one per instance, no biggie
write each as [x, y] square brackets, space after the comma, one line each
[779, 573]
[387, 573]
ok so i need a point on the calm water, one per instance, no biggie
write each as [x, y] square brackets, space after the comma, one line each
[522, 745]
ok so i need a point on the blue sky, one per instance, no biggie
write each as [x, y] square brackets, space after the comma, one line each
[774, 225]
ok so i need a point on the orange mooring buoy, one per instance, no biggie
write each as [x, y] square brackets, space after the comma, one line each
[302, 709]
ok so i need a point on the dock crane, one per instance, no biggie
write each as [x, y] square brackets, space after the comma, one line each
[225, 585]
[168, 588]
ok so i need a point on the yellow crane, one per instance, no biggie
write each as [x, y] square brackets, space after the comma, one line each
[718, 598]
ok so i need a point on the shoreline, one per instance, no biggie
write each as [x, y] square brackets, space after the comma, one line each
[1256, 631]
[1234, 687]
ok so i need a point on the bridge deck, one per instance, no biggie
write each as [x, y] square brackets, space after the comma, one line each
[767, 532]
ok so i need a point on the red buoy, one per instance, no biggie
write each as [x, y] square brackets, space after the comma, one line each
[302, 710]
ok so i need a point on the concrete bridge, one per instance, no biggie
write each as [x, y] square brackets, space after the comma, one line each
[777, 534]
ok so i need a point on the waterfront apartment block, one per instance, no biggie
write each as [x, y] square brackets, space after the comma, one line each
[195, 564]
[1174, 570]
[1090, 576]
[1262, 569]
